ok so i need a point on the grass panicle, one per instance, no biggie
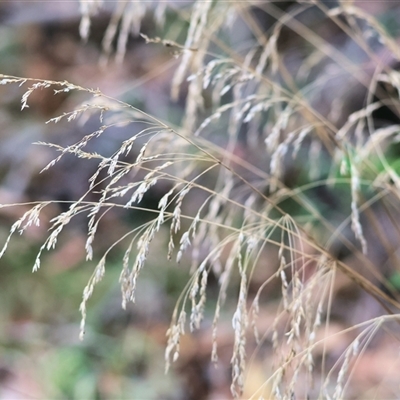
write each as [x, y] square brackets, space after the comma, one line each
[265, 132]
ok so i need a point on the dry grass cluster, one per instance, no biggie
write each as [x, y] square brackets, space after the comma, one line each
[281, 167]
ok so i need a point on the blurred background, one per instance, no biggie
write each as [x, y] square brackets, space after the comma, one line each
[122, 355]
